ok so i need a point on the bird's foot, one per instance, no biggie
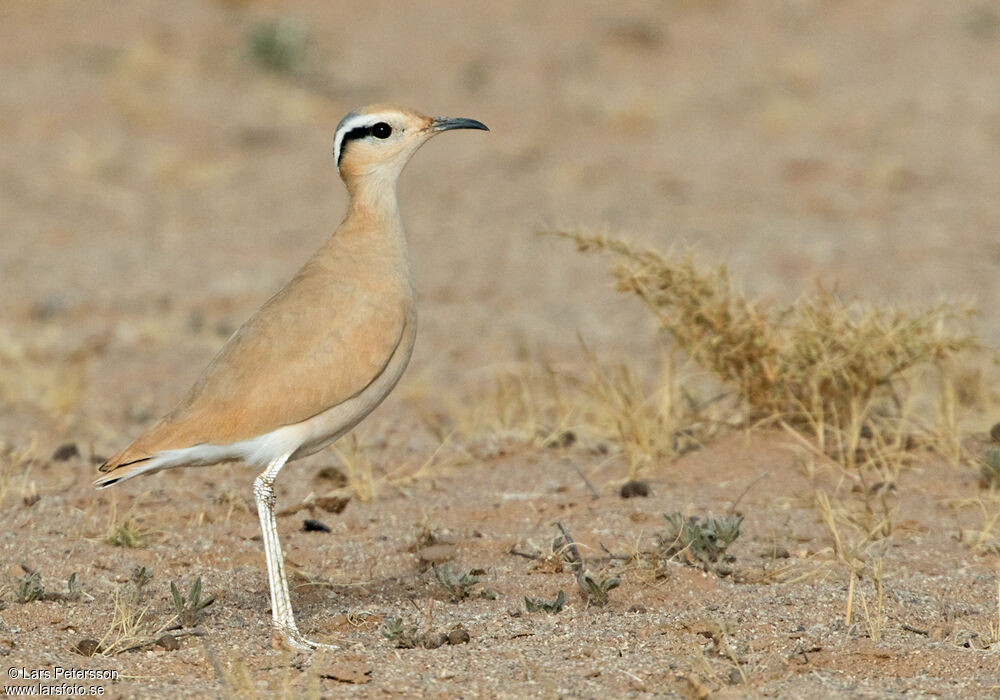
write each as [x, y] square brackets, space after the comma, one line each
[293, 639]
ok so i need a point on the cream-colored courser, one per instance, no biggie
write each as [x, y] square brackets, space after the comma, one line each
[320, 355]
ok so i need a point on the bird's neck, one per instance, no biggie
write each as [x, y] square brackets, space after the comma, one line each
[373, 216]
[373, 195]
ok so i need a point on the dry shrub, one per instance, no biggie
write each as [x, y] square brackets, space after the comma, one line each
[820, 364]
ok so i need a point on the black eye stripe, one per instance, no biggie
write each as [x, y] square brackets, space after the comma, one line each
[381, 130]
[358, 132]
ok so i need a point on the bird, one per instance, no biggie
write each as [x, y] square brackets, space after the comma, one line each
[319, 355]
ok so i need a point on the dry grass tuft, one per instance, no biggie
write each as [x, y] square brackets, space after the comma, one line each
[16, 463]
[128, 534]
[985, 539]
[129, 619]
[42, 372]
[358, 466]
[598, 406]
[993, 628]
[856, 548]
[875, 616]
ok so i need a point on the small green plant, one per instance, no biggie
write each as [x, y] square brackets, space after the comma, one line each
[128, 534]
[595, 590]
[461, 585]
[989, 468]
[278, 45]
[539, 605]
[702, 541]
[982, 21]
[401, 636]
[406, 637]
[73, 590]
[29, 588]
[189, 608]
[140, 577]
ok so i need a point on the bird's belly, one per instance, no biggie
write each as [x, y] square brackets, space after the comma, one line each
[313, 434]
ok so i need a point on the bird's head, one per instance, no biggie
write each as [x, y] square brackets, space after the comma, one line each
[378, 140]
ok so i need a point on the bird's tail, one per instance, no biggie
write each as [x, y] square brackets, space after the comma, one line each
[119, 470]
[139, 458]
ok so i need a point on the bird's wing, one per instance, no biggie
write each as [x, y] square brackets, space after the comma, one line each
[314, 345]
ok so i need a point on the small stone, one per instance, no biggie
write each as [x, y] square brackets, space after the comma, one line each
[168, 642]
[995, 432]
[458, 635]
[566, 438]
[637, 608]
[632, 488]
[65, 452]
[333, 475]
[310, 525]
[87, 647]
[433, 640]
[332, 504]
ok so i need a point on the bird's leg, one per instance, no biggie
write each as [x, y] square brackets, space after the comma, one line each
[281, 601]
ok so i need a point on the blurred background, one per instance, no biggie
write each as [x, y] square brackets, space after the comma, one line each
[166, 166]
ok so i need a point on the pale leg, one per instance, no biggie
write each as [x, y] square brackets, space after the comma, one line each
[281, 601]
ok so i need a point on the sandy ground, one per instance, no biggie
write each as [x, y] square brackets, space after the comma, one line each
[156, 186]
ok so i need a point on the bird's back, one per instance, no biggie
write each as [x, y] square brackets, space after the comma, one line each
[321, 340]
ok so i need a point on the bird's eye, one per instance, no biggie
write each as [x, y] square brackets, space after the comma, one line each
[381, 130]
